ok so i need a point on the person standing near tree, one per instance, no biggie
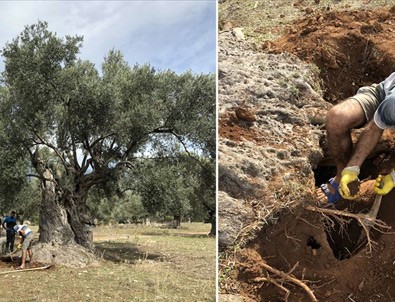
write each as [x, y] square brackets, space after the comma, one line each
[8, 224]
[26, 243]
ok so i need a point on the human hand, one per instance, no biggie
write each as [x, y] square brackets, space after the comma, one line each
[349, 175]
[384, 184]
[19, 246]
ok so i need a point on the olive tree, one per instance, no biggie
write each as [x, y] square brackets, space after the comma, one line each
[74, 128]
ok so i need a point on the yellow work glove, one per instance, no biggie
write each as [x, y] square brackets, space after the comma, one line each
[19, 246]
[349, 175]
[384, 184]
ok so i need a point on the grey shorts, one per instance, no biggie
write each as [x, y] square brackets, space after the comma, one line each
[27, 242]
[369, 98]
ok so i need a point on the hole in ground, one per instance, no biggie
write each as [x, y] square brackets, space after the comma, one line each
[313, 243]
[369, 170]
[343, 238]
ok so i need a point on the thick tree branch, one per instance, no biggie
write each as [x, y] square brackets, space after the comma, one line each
[178, 137]
[42, 141]
[34, 175]
[126, 163]
[101, 138]
[76, 165]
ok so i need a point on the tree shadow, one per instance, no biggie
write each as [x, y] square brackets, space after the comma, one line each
[124, 252]
[186, 234]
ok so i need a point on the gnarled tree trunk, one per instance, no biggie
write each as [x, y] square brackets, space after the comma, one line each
[177, 221]
[64, 217]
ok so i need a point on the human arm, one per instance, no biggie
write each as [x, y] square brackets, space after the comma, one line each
[4, 223]
[365, 145]
[21, 233]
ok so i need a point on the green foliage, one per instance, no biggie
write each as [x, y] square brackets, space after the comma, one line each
[88, 128]
[26, 202]
[123, 209]
[129, 209]
[169, 187]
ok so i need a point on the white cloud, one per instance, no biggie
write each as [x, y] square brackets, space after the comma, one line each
[178, 35]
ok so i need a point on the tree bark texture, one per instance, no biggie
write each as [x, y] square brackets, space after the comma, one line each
[213, 222]
[64, 218]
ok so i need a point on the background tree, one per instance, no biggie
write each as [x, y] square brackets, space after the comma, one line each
[78, 129]
[167, 188]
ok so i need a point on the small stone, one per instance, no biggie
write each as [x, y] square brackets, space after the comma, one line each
[328, 294]
[238, 33]
[361, 285]
[227, 26]
[245, 115]
[350, 285]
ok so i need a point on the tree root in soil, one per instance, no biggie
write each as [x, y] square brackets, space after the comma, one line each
[283, 277]
[363, 219]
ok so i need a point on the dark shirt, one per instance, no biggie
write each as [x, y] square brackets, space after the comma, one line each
[10, 222]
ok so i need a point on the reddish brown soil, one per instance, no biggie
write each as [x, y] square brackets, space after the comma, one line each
[8, 263]
[351, 49]
[360, 276]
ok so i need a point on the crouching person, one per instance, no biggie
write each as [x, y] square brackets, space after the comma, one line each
[26, 243]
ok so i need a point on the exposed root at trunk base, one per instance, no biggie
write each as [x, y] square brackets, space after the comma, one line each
[71, 255]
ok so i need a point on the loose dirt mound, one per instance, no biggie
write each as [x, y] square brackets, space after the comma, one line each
[351, 49]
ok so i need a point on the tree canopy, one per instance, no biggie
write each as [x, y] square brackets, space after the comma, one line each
[74, 127]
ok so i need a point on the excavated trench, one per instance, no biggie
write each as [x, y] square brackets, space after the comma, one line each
[317, 248]
[344, 237]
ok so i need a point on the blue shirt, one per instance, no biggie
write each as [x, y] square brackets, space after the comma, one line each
[10, 222]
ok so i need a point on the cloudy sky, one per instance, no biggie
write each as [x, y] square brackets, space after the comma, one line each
[177, 35]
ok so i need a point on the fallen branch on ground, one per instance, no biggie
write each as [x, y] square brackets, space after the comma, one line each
[26, 270]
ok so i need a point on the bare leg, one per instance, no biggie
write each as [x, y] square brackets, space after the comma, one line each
[23, 264]
[30, 255]
[340, 120]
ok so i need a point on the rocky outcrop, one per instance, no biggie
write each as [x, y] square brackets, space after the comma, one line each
[271, 114]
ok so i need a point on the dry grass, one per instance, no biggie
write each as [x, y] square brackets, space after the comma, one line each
[137, 264]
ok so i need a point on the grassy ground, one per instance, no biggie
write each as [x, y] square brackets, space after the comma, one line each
[137, 264]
